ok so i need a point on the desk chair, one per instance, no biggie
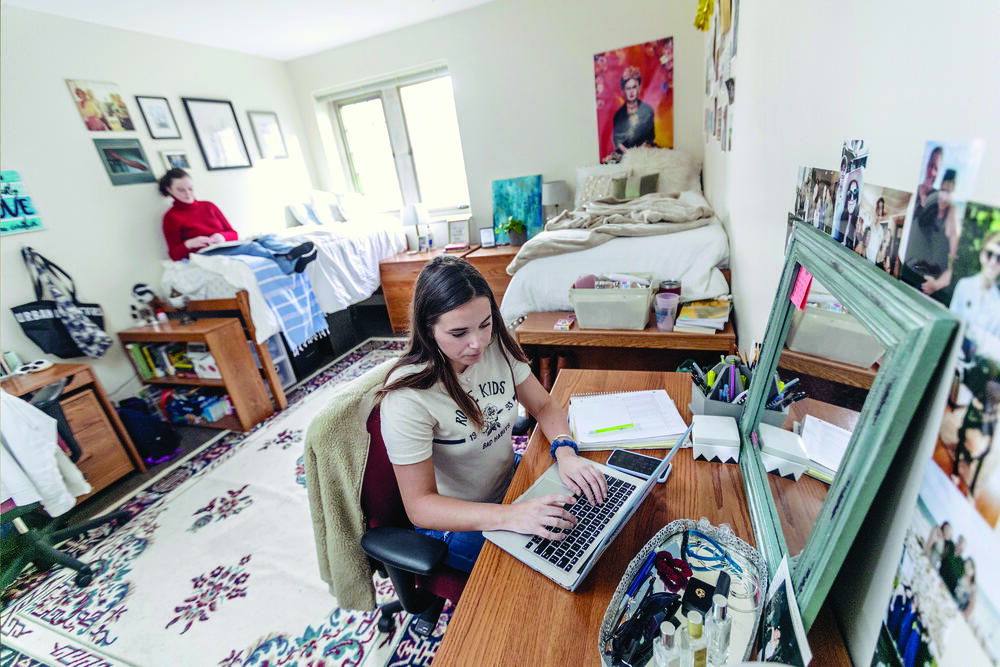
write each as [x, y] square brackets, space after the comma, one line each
[415, 562]
[37, 545]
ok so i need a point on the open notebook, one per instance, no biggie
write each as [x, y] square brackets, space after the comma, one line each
[630, 419]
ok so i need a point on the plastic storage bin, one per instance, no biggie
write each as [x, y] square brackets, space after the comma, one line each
[832, 335]
[613, 308]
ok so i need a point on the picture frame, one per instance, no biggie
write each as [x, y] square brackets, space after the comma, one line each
[175, 159]
[914, 332]
[487, 238]
[158, 116]
[125, 161]
[101, 106]
[218, 133]
[268, 135]
[458, 230]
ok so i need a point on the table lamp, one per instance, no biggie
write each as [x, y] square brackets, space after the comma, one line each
[555, 197]
[415, 215]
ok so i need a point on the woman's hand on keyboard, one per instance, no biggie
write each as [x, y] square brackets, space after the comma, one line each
[538, 516]
[581, 476]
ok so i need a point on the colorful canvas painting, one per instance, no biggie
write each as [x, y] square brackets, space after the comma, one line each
[634, 87]
[521, 199]
[100, 105]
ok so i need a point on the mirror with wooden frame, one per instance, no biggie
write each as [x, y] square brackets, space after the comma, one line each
[874, 313]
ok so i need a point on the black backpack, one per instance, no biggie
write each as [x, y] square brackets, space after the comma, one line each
[155, 439]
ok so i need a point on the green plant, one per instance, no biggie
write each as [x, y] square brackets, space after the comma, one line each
[513, 225]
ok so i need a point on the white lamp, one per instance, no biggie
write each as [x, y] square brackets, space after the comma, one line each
[555, 194]
[414, 215]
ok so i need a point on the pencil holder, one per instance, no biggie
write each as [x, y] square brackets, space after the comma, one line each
[702, 404]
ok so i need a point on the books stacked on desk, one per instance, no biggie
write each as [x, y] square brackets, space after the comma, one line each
[631, 419]
[456, 247]
[706, 316]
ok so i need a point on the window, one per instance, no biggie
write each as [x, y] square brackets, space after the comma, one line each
[401, 144]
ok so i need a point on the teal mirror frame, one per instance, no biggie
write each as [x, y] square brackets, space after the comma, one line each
[915, 332]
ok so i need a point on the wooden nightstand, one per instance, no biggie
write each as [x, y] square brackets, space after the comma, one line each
[492, 263]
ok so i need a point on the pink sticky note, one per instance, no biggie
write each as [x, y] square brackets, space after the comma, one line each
[800, 291]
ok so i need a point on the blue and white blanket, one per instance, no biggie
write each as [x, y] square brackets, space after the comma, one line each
[291, 299]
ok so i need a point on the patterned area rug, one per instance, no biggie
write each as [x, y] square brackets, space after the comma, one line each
[216, 567]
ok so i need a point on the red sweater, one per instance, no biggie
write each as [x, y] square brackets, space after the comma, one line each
[186, 221]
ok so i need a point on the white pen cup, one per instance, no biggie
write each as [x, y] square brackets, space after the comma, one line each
[665, 305]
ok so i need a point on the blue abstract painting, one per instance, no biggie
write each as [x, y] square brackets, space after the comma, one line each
[520, 198]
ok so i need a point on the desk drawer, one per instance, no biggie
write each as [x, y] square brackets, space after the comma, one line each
[104, 459]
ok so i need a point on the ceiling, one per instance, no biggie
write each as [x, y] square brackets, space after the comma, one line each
[282, 30]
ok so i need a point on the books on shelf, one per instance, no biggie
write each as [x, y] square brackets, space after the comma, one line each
[705, 316]
[631, 419]
[160, 360]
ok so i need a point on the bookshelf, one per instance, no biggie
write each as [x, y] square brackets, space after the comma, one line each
[226, 343]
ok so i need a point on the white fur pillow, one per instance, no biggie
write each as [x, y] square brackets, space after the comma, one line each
[679, 171]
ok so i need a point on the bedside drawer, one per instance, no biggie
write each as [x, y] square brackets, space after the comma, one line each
[104, 459]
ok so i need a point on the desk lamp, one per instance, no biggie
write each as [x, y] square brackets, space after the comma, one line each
[555, 197]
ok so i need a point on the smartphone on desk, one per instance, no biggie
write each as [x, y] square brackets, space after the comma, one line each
[636, 464]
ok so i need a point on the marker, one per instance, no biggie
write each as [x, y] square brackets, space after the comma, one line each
[606, 429]
[789, 384]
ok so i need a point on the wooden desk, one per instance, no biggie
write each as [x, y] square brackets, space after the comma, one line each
[108, 452]
[492, 263]
[510, 615]
[398, 274]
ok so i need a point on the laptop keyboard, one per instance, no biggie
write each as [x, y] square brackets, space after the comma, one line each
[591, 519]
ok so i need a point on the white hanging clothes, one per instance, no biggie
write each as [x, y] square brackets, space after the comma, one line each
[33, 468]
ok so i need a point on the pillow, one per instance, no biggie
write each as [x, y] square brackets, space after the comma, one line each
[632, 186]
[300, 214]
[354, 205]
[601, 186]
[327, 207]
[679, 171]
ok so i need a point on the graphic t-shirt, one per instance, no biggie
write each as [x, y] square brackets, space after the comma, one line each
[469, 463]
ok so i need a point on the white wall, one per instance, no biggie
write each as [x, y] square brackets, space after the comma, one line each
[524, 82]
[109, 237]
[809, 75]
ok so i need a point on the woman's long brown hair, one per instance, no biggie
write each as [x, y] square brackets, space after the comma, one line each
[445, 284]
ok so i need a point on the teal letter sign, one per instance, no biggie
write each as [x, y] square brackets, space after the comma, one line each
[19, 214]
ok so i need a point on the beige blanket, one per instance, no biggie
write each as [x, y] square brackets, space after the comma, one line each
[335, 456]
[600, 221]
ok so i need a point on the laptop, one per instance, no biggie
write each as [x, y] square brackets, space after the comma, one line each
[568, 561]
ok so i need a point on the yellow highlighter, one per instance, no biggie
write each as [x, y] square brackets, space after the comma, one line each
[608, 429]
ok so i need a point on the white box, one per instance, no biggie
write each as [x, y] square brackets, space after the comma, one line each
[205, 366]
[716, 438]
[782, 452]
[613, 308]
[832, 335]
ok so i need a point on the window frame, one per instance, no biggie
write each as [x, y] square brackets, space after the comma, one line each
[387, 91]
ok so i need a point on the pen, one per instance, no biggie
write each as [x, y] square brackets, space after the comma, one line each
[620, 427]
[797, 396]
[789, 384]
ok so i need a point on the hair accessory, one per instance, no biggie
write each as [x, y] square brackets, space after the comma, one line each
[673, 571]
[564, 442]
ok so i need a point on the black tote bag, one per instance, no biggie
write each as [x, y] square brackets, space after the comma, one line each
[40, 319]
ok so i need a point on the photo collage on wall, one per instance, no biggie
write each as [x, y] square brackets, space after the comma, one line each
[847, 207]
[634, 89]
[720, 82]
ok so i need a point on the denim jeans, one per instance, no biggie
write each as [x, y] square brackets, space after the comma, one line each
[463, 546]
[267, 246]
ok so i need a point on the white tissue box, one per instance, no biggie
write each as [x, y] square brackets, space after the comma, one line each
[204, 365]
[782, 451]
[716, 438]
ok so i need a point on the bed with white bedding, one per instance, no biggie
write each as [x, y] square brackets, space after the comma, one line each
[581, 244]
[344, 273]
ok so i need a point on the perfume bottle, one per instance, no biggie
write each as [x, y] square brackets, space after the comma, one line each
[666, 652]
[718, 630]
[694, 653]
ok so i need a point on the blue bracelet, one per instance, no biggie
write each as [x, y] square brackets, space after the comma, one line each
[562, 442]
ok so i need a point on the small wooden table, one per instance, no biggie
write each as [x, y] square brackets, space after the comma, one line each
[509, 614]
[107, 451]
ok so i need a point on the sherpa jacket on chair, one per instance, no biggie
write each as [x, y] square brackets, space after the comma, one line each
[336, 453]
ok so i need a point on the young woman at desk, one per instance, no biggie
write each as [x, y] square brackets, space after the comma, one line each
[448, 407]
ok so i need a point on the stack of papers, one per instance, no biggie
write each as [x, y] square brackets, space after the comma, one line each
[826, 444]
[706, 316]
[716, 438]
[632, 420]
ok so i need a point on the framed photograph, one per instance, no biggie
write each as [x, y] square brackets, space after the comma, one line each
[177, 159]
[458, 230]
[219, 136]
[100, 105]
[124, 161]
[158, 116]
[267, 132]
[486, 237]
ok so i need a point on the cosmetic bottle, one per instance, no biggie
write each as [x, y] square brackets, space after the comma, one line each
[665, 650]
[718, 630]
[694, 653]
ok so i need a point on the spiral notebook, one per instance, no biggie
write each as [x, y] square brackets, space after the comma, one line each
[630, 419]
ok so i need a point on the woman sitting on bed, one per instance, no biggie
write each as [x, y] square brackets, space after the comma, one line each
[448, 408]
[197, 226]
